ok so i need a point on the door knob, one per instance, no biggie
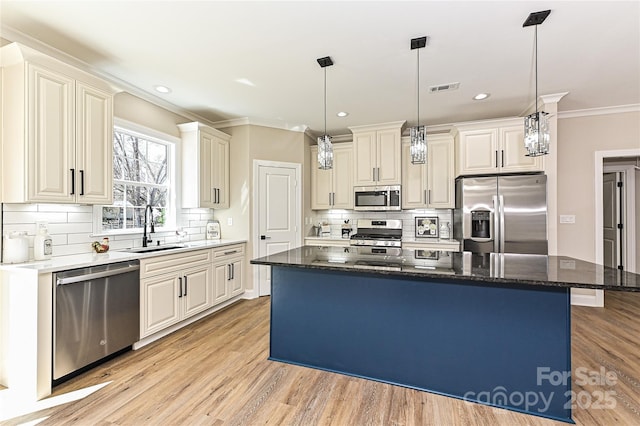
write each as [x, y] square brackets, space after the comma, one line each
[264, 237]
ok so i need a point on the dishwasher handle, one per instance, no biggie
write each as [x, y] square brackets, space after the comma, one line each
[96, 275]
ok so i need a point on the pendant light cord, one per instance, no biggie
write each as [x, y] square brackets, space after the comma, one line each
[536, 48]
[418, 125]
[325, 101]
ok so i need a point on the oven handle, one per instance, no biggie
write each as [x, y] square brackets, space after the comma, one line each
[96, 275]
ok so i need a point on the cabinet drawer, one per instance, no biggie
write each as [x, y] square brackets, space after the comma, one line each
[172, 262]
[228, 251]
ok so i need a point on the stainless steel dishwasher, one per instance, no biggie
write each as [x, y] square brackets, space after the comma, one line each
[96, 313]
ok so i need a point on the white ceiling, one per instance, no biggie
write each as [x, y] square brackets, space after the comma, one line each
[202, 49]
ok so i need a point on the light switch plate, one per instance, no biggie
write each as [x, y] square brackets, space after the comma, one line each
[230, 221]
[567, 218]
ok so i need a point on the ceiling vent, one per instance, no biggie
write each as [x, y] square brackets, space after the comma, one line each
[443, 87]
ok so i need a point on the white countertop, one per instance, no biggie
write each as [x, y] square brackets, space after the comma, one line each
[61, 263]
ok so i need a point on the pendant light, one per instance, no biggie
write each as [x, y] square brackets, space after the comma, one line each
[418, 148]
[536, 125]
[325, 148]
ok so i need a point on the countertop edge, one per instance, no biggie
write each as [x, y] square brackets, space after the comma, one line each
[61, 263]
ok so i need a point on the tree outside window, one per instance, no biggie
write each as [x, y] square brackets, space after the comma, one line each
[140, 178]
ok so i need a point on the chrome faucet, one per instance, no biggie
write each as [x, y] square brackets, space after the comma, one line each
[147, 239]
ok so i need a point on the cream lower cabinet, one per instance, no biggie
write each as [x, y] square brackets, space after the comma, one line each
[429, 185]
[228, 269]
[173, 288]
[495, 147]
[57, 131]
[376, 154]
[333, 188]
[205, 166]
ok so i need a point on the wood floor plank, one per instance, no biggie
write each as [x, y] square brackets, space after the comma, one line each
[216, 372]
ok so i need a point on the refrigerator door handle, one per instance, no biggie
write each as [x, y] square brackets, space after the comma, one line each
[496, 225]
[501, 201]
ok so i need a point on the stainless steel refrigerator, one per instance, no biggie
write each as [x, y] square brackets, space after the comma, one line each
[502, 213]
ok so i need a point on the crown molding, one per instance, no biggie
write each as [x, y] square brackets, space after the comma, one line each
[264, 122]
[599, 111]
[13, 35]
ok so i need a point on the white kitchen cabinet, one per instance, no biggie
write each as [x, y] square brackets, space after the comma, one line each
[205, 166]
[57, 131]
[228, 265]
[333, 188]
[429, 185]
[174, 288]
[377, 154]
[494, 147]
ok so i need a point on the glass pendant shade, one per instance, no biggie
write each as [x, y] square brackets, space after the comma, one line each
[325, 152]
[536, 134]
[418, 149]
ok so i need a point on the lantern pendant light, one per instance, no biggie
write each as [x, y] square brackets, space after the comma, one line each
[325, 148]
[418, 148]
[536, 125]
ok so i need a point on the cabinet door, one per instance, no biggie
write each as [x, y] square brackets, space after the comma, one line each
[207, 162]
[321, 182]
[342, 181]
[388, 153]
[220, 285]
[513, 155]
[440, 173]
[220, 173]
[414, 181]
[478, 151]
[160, 303]
[94, 145]
[51, 137]
[364, 158]
[196, 291]
[236, 283]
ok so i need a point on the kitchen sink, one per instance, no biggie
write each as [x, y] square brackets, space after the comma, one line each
[152, 249]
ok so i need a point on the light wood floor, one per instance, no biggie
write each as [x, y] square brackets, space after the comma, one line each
[216, 372]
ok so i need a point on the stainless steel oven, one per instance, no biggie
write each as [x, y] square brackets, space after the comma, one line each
[377, 198]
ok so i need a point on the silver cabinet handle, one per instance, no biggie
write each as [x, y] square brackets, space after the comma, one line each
[233, 271]
[185, 285]
[496, 158]
[228, 272]
[329, 198]
[429, 196]
[502, 155]
[230, 252]
[96, 275]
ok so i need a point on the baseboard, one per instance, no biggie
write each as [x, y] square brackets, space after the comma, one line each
[250, 294]
[595, 300]
[162, 333]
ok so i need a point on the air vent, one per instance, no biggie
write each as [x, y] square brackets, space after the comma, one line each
[443, 87]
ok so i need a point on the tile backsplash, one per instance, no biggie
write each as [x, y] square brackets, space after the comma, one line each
[336, 218]
[71, 227]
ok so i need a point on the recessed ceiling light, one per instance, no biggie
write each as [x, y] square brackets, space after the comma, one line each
[481, 96]
[342, 114]
[162, 89]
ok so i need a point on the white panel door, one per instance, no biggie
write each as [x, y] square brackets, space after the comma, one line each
[610, 215]
[277, 210]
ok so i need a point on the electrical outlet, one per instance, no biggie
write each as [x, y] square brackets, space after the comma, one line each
[567, 218]
[230, 221]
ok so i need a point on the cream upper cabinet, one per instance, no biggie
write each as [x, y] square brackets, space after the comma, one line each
[494, 148]
[205, 166]
[377, 154]
[333, 188]
[429, 185]
[57, 131]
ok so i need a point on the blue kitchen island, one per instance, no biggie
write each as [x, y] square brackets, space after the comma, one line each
[488, 328]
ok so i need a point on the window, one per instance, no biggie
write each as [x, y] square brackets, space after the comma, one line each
[142, 175]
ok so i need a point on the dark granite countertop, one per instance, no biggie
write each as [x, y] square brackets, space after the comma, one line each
[539, 270]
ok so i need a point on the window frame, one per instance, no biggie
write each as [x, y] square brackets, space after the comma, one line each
[173, 149]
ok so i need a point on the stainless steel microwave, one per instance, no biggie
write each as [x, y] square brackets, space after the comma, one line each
[377, 198]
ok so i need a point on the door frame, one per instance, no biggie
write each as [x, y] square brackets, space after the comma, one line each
[599, 156]
[629, 185]
[255, 222]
